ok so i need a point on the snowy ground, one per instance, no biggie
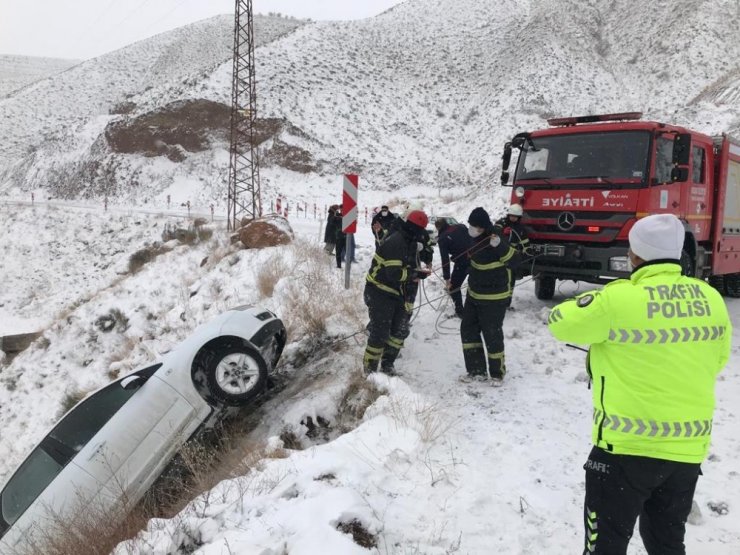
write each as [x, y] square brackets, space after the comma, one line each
[437, 467]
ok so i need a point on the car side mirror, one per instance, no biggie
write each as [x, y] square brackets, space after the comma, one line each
[133, 382]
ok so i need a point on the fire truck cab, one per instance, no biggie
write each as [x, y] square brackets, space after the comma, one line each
[584, 182]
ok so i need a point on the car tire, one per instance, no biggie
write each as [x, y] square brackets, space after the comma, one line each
[235, 373]
[544, 287]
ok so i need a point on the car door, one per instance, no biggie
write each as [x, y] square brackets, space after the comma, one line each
[155, 425]
[123, 429]
[45, 488]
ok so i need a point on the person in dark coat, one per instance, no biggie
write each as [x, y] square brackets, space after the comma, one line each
[453, 242]
[340, 238]
[489, 290]
[331, 231]
[393, 268]
[381, 223]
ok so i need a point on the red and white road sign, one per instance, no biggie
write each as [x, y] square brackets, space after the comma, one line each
[349, 203]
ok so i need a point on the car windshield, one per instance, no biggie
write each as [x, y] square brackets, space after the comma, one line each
[617, 156]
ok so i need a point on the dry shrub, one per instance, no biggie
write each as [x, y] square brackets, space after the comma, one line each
[429, 420]
[314, 295]
[360, 535]
[196, 232]
[194, 472]
[89, 532]
[359, 394]
[270, 272]
[71, 398]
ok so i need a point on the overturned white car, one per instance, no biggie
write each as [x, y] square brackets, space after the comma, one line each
[110, 448]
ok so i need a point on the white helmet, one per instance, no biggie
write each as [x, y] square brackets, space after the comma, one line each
[515, 210]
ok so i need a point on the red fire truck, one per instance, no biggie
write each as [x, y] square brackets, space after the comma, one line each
[586, 180]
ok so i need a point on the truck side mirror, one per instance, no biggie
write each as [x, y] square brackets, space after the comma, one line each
[506, 157]
[679, 174]
[681, 149]
[505, 161]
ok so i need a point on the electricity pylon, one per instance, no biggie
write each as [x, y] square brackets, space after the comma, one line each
[244, 175]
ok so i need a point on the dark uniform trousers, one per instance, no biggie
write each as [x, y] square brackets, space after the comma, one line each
[619, 488]
[483, 318]
[388, 328]
[457, 277]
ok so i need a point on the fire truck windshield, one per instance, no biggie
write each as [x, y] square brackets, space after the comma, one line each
[614, 156]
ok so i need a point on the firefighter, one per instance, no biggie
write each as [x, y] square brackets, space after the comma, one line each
[511, 227]
[489, 289]
[453, 242]
[657, 342]
[393, 267]
[381, 223]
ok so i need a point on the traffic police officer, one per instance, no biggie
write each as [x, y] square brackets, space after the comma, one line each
[658, 341]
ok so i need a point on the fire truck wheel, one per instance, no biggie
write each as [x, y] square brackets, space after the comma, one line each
[544, 287]
[687, 264]
[732, 285]
[718, 282]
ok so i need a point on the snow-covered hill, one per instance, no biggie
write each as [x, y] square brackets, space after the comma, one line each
[20, 71]
[419, 100]
[420, 95]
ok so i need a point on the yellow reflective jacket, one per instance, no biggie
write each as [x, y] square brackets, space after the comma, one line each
[658, 341]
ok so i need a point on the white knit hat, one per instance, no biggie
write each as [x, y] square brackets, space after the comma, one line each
[657, 237]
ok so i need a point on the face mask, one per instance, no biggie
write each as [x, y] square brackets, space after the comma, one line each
[475, 232]
[384, 212]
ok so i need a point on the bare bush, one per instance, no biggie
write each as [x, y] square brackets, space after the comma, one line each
[195, 471]
[115, 319]
[143, 256]
[430, 420]
[196, 232]
[269, 273]
[71, 398]
[315, 296]
[359, 394]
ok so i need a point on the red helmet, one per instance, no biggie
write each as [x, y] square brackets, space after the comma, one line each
[418, 217]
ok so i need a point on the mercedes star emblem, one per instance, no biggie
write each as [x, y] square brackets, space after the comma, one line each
[566, 221]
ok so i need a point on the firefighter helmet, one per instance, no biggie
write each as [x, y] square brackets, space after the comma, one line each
[515, 210]
[418, 218]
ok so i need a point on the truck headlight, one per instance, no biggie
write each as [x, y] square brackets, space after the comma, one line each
[619, 264]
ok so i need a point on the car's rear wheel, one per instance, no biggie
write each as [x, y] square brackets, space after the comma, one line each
[235, 373]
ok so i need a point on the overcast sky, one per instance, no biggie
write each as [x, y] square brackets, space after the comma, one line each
[86, 28]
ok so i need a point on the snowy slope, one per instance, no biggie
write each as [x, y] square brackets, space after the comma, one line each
[419, 96]
[437, 467]
[20, 71]
[57, 120]
[419, 100]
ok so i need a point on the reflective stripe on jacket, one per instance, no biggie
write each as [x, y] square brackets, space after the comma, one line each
[489, 274]
[389, 268]
[658, 341]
